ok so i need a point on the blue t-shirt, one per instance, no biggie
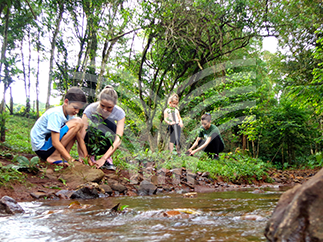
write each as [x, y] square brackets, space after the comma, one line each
[52, 120]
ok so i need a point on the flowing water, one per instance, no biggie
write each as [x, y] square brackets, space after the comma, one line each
[221, 216]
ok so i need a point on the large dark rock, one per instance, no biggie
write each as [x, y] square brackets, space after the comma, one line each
[85, 193]
[298, 215]
[88, 190]
[116, 186]
[9, 206]
[146, 188]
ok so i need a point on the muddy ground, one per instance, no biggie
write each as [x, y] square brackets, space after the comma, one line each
[45, 183]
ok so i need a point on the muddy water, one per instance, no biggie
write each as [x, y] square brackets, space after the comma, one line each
[223, 216]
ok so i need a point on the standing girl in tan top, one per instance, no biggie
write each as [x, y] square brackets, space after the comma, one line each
[173, 118]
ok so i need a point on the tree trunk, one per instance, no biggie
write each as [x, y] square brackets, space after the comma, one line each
[28, 79]
[3, 56]
[52, 50]
[150, 137]
[253, 149]
[37, 75]
[244, 142]
[104, 62]
[24, 70]
[11, 102]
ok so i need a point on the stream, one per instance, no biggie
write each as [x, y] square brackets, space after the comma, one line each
[220, 216]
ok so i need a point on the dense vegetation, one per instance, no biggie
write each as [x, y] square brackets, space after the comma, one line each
[210, 53]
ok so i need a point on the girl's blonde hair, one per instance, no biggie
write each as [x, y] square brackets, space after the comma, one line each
[172, 98]
[109, 94]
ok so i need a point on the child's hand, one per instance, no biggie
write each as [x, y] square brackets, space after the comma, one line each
[180, 124]
[188, 152]
[100, 162]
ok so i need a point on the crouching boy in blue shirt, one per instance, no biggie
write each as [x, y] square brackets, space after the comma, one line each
[212, 143]
[55, 132]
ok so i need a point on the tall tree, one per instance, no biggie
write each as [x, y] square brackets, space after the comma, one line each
[181, 38]
[55, 10]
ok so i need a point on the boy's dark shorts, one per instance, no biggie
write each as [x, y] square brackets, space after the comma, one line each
[48, 148]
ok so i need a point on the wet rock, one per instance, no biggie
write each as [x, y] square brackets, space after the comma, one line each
[79, 173]
[190, 177]
[257, 191]
[64, 194]
[250, 217]
[179, 191]
[136, 178]
[159, 191]
[154, 180]
[112, 176]
[146, 188]
[190, 194]
[202, 189]
[38, 195]
[116, 186]
[298, 215]
[78, 205]
[164, 171]
[131, 193]
[9, 206]
[85, 193]
[106, 188]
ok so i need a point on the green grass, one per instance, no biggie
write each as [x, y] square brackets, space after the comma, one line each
[231, 166]
[18, 135]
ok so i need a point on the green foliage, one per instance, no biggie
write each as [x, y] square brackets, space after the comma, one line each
[9, 174]
[29, 165]
[287, 132]
[315, 160]
[233, 167]
[122, 208]
[98, 140]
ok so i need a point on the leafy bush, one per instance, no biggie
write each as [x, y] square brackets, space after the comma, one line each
[97, 139]
[28, 165]
[231, 166]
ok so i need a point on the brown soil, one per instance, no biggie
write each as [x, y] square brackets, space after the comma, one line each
[34, 183]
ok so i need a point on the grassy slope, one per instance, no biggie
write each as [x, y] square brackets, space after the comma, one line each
[231, 166]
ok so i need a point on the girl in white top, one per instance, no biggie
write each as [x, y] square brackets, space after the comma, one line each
[173, 118]
[108, 117]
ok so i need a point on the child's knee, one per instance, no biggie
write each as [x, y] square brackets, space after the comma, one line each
[76, 123]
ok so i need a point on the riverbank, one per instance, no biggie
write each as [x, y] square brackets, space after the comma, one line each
[49, 181]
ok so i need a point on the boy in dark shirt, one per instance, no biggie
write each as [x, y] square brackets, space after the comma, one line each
[212, 143]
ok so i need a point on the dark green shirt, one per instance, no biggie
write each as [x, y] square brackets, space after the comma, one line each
[207, 133]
